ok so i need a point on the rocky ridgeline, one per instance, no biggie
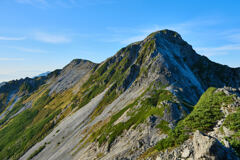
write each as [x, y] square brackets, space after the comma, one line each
[123, 107]
[200, 147]
[161, 62]
[212, 145]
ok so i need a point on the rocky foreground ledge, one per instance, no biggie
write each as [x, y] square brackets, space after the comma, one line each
[213, 145]
[201, 146]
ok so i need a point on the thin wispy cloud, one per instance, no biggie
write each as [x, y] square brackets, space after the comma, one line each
[36, 3]
[133, 39]
[192, 28]
[235, 37]
[221, 50]
[137, 34]
[44, 2]
[3, 38]
[51, 38]
[64, 3]
[11, 59]
[30, 50]
[38, 36]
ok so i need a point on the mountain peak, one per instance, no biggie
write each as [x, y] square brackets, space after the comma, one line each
[77, 61]
[123, 107]
[166, 33]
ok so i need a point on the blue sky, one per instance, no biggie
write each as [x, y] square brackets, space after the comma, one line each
[42, 35]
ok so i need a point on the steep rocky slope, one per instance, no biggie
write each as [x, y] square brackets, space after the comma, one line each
[57, 81]
[12, 91]
[213, 115]
[133, 105]
[36, 106]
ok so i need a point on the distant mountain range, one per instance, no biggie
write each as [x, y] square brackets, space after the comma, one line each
[43, 74]
[2, 83]
[154, 99]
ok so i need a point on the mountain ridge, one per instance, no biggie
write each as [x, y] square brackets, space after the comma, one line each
[133, 99]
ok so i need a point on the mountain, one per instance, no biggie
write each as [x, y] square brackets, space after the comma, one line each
[42, 74]
[154, 99]
[1, 84]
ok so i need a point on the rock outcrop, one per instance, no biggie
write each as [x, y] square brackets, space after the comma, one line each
[206, 147]
[200, 147]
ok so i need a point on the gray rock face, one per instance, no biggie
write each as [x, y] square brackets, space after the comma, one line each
[200, 147]
[162, 58]
[11, 90]
[185, 151]
[173, 113]
[70, 75]
[166, 58]
[187, 72]
[59, 81]
[206, 147]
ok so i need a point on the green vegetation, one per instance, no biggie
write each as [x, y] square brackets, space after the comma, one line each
[109, 127]
[3, 100]
[43, 100]
[163, 125]
[36, 152]
[11, 133]
[17, 106]
[25, 88]
[175, 138]
[107, 75]
[26, 129]
[147, 49]
[137, 112]
[235, 142]
[205, 115]
[207, 111]
[232, 122]
[100, 155]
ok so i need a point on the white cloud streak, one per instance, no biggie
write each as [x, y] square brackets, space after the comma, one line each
[64, 3]
[221, 50]
[11, 59]
[193, 28]
[29, 50]
[12, 38]
[38, 36]
[33, 2]
[51, 38]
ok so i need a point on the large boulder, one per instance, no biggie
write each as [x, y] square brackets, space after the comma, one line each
[206, 147]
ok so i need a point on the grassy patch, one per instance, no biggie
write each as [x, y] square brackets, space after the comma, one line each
[43, 100]
[147, 49]
[163, 125]
[100, 155]
[26, 129]
[17, 106]
[36, 152]
[207, 111]
[108, 75]
[138, 112]
[232, 122]
[204, 117]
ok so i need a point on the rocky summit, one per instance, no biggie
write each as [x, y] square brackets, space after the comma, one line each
[155, 99]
